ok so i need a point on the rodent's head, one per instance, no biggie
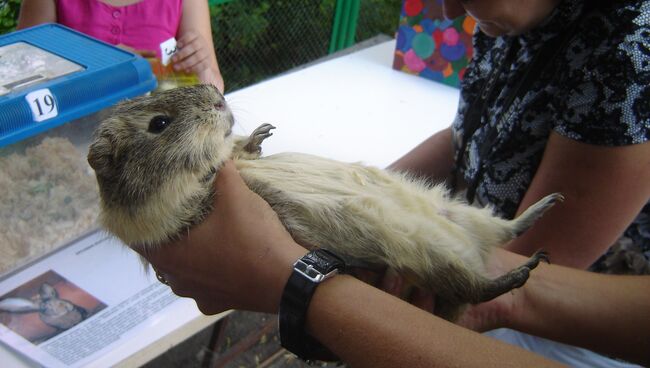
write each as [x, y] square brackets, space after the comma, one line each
[157, 145]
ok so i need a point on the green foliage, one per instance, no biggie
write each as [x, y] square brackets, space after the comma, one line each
[8, 15]
[378, 16]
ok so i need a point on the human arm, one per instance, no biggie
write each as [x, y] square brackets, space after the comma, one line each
[433, 158]
[241, 256]
[350, 318]
[604, 189]
[609, 314]
[195, 46]
[34, 12]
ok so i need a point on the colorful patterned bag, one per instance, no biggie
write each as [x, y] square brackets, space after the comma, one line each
[431, 46]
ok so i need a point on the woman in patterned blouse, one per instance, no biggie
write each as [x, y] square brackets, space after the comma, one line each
[556, 99]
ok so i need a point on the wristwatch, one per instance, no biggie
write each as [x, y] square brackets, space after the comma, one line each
[308, 272]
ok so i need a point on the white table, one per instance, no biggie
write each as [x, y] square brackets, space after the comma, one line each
[351, 108]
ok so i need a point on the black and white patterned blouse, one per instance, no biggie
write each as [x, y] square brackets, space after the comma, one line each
[596, 91]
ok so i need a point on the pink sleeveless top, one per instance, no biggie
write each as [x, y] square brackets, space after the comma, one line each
[142, 26]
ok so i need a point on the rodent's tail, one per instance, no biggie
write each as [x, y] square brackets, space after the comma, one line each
[524, 221]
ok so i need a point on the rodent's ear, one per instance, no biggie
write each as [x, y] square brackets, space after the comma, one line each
[100, 156]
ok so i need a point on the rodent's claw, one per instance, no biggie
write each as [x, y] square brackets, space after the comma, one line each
[256, 138]
[263, 129]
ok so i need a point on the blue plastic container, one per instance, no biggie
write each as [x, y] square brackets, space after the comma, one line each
[105, 75]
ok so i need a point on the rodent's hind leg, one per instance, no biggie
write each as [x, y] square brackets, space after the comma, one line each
[250, 147]
[450, 307]
[514, 279]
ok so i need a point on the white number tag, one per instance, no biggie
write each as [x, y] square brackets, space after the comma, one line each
[167, 50]
[43, 104]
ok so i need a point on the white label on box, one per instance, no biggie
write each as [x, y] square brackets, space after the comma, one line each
[43, 104]
[167, 50]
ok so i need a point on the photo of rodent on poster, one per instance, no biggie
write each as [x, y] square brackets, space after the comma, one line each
[46, 306]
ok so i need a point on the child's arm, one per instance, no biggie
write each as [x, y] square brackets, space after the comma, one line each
[195, 46]
[34, 12]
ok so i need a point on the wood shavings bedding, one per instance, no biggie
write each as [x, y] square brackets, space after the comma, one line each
[48, 196]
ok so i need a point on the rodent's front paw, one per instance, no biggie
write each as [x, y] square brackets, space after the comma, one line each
[256, 138]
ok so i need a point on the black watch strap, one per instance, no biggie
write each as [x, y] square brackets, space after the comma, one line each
[308, 272]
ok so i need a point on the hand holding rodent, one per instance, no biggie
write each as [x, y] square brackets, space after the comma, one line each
[239, 257]
[193, 57]
[501, 311]
[496, 313]
[215, 280]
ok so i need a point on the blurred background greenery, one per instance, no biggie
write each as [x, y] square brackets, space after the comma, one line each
[8, 15]
[258, 39]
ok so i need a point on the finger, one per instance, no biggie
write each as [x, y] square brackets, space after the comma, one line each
[180, 284]
[165, 257]
[368, 276]
[228, 177]
[423, 300]
[186, 46]
[212, 307]
[187, 38]
[392, 283]
[161, 278]
[195, 62]
[468, 320]
[183, 53]
[184, 293]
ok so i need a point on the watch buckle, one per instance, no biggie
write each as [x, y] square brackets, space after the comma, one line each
[312, 273]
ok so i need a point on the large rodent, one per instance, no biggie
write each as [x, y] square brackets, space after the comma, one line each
[156, 156]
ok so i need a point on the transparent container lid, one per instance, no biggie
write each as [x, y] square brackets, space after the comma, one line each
[22, 65]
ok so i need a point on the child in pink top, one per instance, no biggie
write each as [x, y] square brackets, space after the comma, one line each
[139, 26]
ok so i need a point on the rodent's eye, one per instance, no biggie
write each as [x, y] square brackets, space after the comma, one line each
[159, 123]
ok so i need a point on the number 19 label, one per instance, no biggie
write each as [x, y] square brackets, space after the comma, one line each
[43, 104]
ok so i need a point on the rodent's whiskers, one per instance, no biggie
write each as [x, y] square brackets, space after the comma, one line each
[239, 111]
[235, 105]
